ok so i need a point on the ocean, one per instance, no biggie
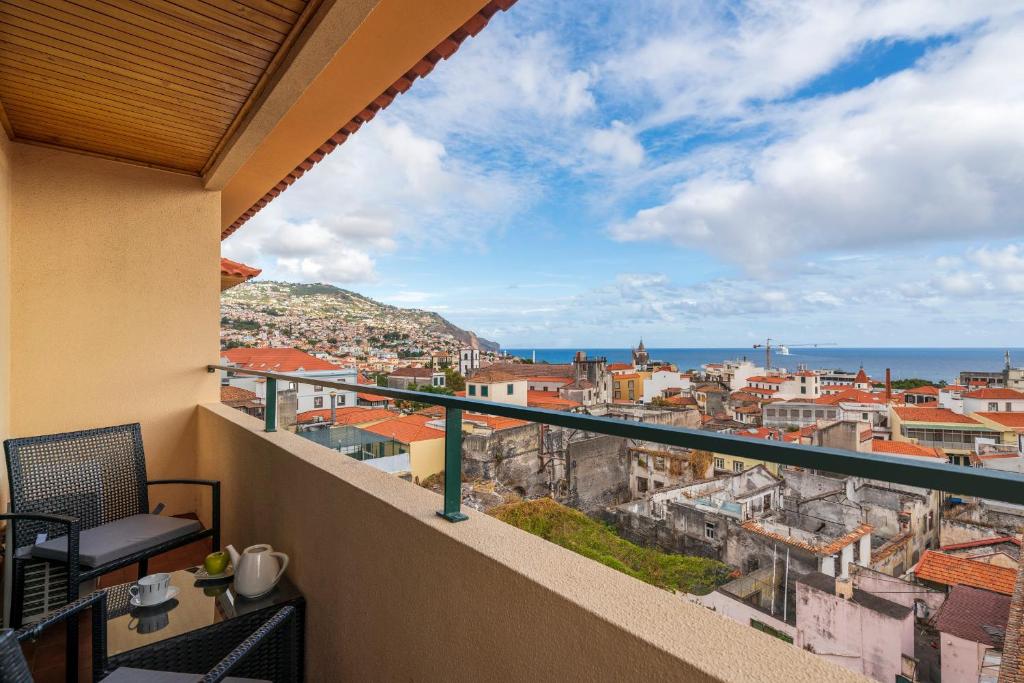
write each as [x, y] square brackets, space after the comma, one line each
[933, 364]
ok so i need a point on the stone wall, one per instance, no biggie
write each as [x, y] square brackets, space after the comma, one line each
[511, 457]
[598, 473]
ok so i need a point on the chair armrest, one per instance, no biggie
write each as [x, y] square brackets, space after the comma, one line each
[212, 483]
[215, 502]
[240, 653]
[97, 600]
[74, 529]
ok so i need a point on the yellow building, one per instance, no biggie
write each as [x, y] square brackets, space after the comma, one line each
[734, 464]
[629, 386]
[940, 428]
[412, 434]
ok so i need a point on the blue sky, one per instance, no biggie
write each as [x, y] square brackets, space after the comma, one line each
[698, 174]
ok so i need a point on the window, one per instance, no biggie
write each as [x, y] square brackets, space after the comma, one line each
[317, 387]
[719, 463]
[709, 530]
[819, 413]
[803, 380]
[292, 386]
[993, 407]
[318, 401]
[808, 413]
[641, 484]
[831, 413]
[483, 390]
[737, 466]
[617, 394]
[770, 412]
[658, 485]
[766, 502]
[864, 416]
[510, 389]
[1009, 407]
[472, 390]
[803, 390]
[342, 399]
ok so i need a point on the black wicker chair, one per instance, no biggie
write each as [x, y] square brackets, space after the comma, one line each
[81, 499]
[254, 656]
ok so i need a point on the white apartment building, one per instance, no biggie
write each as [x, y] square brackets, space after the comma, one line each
[661, 380]
[993, 401]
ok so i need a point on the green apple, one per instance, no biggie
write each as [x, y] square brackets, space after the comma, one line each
[216, 563]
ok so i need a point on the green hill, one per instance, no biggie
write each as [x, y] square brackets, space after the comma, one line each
[572, 529]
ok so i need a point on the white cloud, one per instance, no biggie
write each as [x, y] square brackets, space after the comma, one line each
[927, 154]
[386, 187]
[617, 145]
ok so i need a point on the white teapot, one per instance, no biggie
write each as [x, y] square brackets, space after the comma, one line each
[257, 569]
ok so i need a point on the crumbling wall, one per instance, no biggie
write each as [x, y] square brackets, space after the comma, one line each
[598, 473]
[806, 484]
[510, 457]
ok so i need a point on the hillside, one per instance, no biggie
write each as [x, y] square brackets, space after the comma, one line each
[328, 318]
[575, 531]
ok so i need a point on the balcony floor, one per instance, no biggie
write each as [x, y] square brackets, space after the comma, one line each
[46, 656]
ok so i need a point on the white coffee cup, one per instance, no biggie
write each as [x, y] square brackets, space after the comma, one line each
[152, 589]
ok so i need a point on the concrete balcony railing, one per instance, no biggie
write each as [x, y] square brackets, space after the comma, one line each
[397, 593]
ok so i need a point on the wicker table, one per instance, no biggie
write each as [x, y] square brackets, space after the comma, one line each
[200, 626]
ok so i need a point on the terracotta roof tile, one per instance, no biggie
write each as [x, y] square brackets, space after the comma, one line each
[406, 429]
[828, 549]
[550, 400]
[350, 415]
[905, 448]
[950, 570]
[229, 393]
[274, 359]
[929, 414]
[976, 615]
[982, 542]
[445, 49]
[1010, 420]
[994, 393]
[236, 269]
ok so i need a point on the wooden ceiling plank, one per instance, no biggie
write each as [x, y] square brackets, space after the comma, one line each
[18, 91]
[90, 129]
[7, 39]
[264, 38]
[273, 9]
[132, 12]
[308, 12]
[103, 129]
[294, 5]
[109, 157]
[69, 139]
[144, 33]
[92, 50]
[147, 56]
[127, 91]
[218, 9]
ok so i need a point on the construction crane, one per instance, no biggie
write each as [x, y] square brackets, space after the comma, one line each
[781, 349]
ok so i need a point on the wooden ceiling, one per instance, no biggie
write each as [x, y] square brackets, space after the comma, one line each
[157, 82]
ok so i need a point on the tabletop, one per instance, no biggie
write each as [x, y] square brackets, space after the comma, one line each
[198, 604]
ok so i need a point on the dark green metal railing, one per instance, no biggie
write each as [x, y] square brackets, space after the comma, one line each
[984, 483]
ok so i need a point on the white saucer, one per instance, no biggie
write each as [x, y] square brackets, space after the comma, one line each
[201, 574]
[172, 593]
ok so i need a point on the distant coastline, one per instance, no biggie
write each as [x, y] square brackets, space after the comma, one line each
[933, 364]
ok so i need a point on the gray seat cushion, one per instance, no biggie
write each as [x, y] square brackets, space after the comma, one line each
[108, 542]
[128, 675]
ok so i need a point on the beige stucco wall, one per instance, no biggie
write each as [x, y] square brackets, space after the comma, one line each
[396, 593]
[115, 302]
[5, 290]
[426, 458]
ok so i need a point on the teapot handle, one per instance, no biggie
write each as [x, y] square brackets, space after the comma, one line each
[284, 565]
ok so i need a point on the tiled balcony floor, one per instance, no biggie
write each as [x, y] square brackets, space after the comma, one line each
[46, 656]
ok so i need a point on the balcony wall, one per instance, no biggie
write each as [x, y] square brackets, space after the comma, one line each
[395, 593]
[114, 283]
[5, 290]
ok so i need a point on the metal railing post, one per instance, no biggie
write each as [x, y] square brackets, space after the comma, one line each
[453, 466]
[271, 412]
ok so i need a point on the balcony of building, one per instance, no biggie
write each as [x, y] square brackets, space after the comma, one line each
[119, 175]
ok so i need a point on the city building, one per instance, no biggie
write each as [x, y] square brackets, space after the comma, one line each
[469, 360]
[411, 376]
[291, 361]
[972, 628]
[954, 433]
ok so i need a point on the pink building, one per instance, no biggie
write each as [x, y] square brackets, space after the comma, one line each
[858, 630]
[972, 624]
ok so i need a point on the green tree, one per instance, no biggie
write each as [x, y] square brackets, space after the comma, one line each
[453, 380]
